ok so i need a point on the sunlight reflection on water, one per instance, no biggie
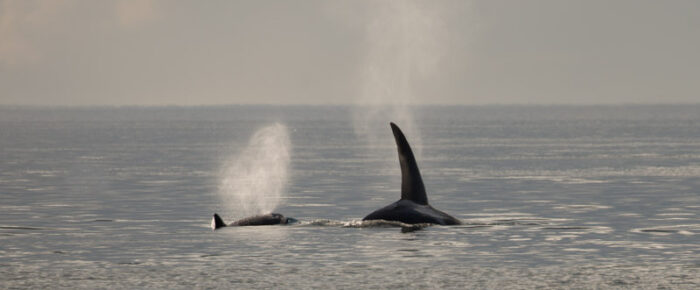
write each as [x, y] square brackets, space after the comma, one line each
[587, 215]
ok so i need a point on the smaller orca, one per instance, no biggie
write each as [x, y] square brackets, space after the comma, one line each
[257, 220]
[413, 207]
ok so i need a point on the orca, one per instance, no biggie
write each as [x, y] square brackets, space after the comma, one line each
[257, 220]
[413, 207]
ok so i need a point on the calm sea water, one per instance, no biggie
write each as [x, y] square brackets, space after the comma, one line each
[553, 197]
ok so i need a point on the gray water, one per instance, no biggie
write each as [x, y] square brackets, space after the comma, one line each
[551, 196]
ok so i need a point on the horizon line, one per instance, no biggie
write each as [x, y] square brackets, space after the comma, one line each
[86, 106]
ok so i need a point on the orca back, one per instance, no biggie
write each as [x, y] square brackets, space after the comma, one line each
[261, 220]
[413, 207]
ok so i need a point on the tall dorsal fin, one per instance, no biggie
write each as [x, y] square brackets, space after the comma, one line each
[412, 187]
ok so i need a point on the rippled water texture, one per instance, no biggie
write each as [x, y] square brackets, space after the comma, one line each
[552, 197]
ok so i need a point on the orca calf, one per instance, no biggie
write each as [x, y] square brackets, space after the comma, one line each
[258, 220]
[413, 207]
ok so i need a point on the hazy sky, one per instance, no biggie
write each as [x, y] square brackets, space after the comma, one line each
[141, 52]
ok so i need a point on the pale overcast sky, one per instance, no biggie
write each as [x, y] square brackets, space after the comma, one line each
[150, 52]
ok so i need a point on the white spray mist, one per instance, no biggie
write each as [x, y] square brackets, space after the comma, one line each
[253, 181]
[403, 46]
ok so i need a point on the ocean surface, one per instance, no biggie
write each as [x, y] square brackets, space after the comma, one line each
[550, 196]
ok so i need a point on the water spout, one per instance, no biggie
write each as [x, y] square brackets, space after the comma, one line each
[254, 180]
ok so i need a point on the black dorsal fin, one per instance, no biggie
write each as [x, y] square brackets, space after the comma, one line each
[412, 187]
[217, 222]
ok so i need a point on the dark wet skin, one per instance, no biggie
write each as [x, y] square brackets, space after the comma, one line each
[408, 212]
[258, 220]
[261, 220]
[413, 207]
